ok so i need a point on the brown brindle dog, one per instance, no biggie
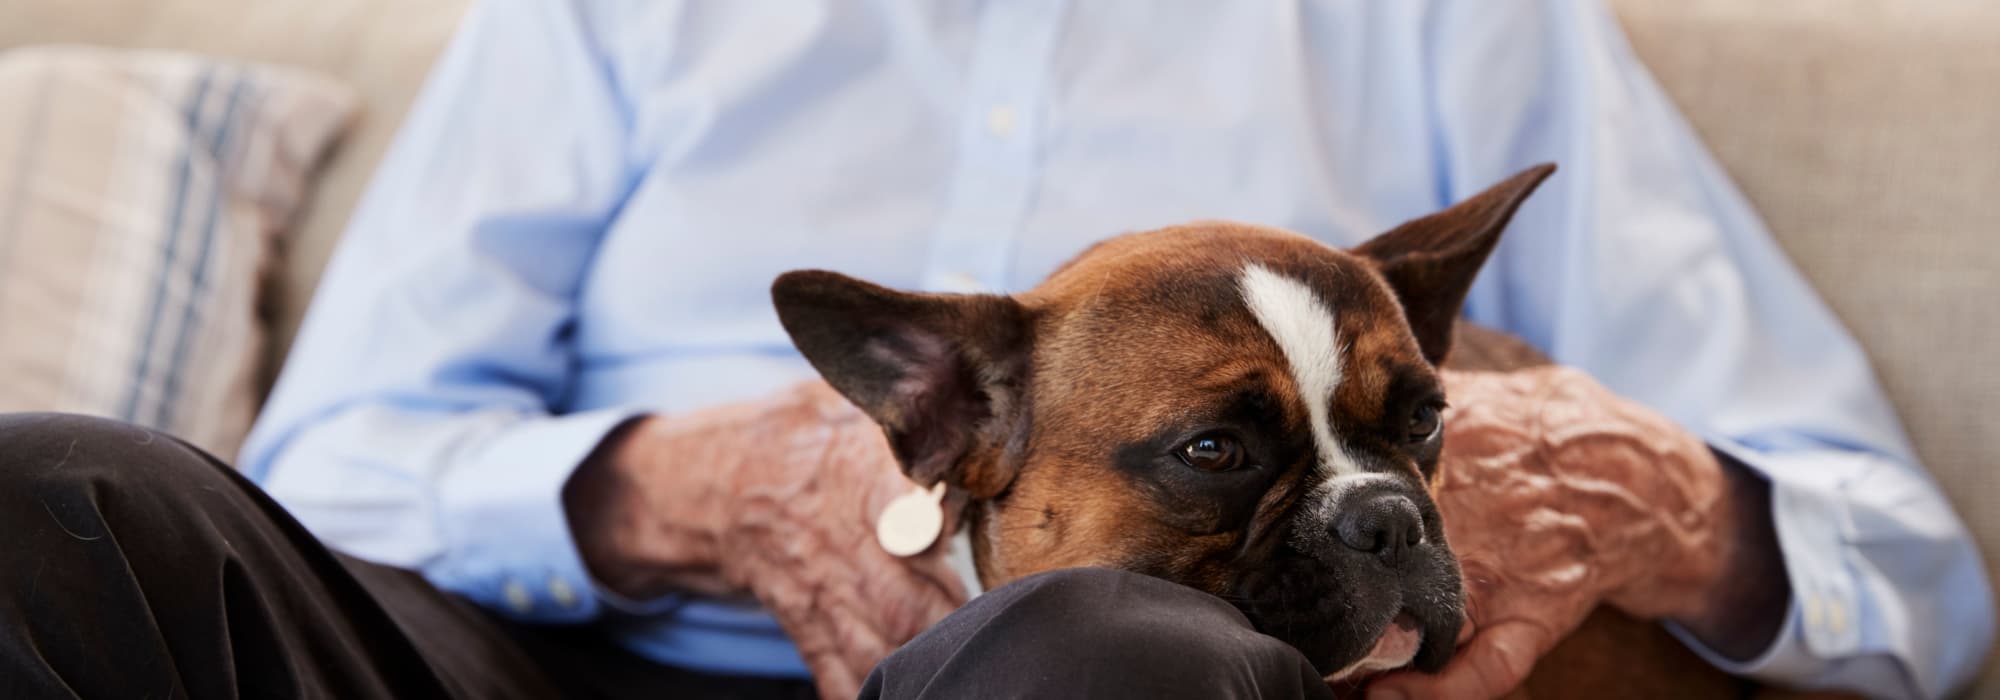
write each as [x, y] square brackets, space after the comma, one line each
[1238, 409]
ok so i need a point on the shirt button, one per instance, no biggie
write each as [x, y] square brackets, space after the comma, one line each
[564, 593]
[1000, 121]
[1815, 611]
[1836, 618]
[517, 597]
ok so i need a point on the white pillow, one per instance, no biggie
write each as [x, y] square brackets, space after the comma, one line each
[142, 195]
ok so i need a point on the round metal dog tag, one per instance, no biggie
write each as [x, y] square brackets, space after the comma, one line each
[912, 522]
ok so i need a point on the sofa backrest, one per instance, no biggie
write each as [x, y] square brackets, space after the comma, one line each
[1863, 130]
[1867, 133]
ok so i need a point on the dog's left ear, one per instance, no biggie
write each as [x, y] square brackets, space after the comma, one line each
[943, 374]
[1431, 261]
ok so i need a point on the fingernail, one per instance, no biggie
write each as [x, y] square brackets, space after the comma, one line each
[1385, 694]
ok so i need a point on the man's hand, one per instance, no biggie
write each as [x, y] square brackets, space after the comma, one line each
[776, 499]
[1558, 496]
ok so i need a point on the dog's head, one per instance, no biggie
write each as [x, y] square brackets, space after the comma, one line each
[1238, 409]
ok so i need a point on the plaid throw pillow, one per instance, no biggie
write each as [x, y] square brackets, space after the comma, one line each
[141, 197]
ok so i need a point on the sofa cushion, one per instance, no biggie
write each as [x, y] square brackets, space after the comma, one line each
[140, 196]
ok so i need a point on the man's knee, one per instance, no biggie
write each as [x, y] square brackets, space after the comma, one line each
[1143, 619]
[1096, 632]
[57, 472]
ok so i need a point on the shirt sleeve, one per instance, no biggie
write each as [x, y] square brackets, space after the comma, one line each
[1639, 263]
[418, 420]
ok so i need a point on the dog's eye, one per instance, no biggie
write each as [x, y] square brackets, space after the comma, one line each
[1214, 453]
[1424, 423]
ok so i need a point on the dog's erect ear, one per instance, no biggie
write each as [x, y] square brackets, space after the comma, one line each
[1431, 261]
[944, 374]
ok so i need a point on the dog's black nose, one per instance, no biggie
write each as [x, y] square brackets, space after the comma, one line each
[1383, 524]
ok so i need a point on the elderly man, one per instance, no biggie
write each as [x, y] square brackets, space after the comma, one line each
[543, 376]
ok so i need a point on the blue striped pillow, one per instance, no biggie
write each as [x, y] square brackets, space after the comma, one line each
[142, 198]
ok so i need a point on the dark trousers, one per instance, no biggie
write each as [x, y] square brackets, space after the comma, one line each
[133, 565]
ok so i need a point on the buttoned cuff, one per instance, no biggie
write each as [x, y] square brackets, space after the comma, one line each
[1812, 523]
[507, 534]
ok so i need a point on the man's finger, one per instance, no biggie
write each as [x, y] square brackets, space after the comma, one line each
[1496, 661]
[832, 664]
[934, 574]
[834, 680]
[916, 603]
[903, 598]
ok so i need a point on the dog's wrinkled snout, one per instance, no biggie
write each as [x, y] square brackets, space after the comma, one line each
[1385, 524]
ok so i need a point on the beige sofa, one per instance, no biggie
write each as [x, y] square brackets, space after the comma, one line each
[1866, 131]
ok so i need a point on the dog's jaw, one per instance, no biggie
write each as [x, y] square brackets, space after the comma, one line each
[1396, 648]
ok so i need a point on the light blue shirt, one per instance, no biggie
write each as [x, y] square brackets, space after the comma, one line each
[584, 211]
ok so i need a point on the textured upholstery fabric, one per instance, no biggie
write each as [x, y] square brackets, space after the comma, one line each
[1862, 129]
[141, 193]
[382, 48]
[1865, 132]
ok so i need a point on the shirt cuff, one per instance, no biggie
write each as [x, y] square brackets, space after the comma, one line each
[505, 526]
[1811, 519]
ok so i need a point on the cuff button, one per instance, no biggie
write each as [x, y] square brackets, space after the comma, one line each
[1815, 613]
[517, 597]
[564, 593]
[1836, 618]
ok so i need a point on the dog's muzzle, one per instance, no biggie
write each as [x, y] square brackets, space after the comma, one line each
[1366, 583]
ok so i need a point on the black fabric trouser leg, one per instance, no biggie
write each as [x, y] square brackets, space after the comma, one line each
[1095, 633]
[133, 565]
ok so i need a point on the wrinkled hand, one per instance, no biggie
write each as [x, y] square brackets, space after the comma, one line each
[806, 534]
[1557, 496]
[776, 499]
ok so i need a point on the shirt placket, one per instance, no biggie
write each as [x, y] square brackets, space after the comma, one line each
[999, 125]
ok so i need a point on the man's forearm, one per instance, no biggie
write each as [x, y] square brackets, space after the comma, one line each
[773, 498]
[690, 502]
[652, 508]
[633, 544]
[1748, 603]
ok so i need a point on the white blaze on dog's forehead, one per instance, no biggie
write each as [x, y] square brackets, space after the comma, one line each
[1303, 326]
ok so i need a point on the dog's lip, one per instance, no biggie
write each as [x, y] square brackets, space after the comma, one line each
[1396, 648]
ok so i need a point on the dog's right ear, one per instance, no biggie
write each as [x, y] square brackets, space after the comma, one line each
[943, 374]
